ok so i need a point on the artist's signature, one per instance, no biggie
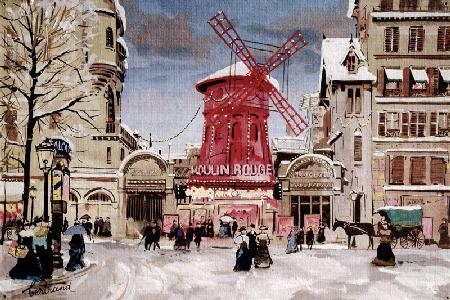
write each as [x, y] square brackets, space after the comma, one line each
[46, 288]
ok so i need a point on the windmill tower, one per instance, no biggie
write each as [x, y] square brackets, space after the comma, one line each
[235, 154]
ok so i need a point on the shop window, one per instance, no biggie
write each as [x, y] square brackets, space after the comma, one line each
[437, 170]
[416, 38]
[108, 155]
[387, 5]
[439, 123]
[109, 37]
[418, 170]
[357, 148]
[408, 5]
[443, 40]
[391, 39]
[100, 197]
[397, 170]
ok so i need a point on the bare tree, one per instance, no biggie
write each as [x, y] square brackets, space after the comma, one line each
[44, 73]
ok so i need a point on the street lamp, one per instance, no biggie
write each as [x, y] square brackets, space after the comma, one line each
[45, 152]
[33, 191]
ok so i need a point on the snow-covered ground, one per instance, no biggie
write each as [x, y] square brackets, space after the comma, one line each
[125, 271]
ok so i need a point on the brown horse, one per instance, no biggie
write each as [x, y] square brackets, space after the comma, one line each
[352, 229]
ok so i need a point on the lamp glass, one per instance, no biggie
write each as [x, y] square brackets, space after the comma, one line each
[45, 152]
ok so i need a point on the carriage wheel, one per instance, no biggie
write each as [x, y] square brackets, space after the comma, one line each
[416, 238]
[394, 241]
[404, 242]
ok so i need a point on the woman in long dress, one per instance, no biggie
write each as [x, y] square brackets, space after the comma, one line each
[262, 258]
[243, 258]
[385, 256]
[76, 253]
[292, 242]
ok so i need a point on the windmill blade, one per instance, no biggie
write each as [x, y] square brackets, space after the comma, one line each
[289, 114]
[289, 48]
[225, 30]
[234, 99]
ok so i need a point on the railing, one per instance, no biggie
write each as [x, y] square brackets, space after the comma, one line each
[393, 93]
[429, 8]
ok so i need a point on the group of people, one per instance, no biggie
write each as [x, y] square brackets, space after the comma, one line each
[297, 238]
[252, 249]
[152, 235]
[183, 238]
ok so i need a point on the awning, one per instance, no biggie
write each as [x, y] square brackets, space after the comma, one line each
[394, 74]
[419, 75]
[445, 73]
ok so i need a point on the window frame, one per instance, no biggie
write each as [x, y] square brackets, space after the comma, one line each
[443, 39]
[416, 40]
[391, 39]
[109, 37]
[357, 148]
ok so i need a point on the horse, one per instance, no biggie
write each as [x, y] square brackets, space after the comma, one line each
[352, 229]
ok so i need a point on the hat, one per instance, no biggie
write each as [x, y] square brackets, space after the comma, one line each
[263, 227]
[252, 225]
[242, 228]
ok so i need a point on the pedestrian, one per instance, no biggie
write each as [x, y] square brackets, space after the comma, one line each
[228, 229]
[241, 237]
[262, 258]
[107, 227]
[65, 224]
[310, 238]
[156, 231]
[222, 229]
[189, 236]
[42, 242]
[76, 252]
[87, 225]
[234, 227]
[172, 230]
[292, 242]
[210, 228]
[180, 241]
[385, 256]
[444, 241]
[28, 267]
[147, 237]
[96, 225]
[252, 244]
[321, 233]
[198, 232]
[300, 238]
[243, 258]
[101, 224]
[203, 227]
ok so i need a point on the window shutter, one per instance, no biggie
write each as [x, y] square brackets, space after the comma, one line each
[447, 38]
[433, 77]
[420, 39]
[417, 171]
[406, 84]
[433, 124]
[381, 85]
[422, 116]
[413, 124]
[388, 36]
[382, 124]
[349, 103]
[405, 124]
[441, 38]
[358, 101]
[397, 170]
[437, 171]
[416, 38]
[357, 148]
[395, 39]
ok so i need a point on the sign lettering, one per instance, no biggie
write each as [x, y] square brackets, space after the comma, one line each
[235, 170]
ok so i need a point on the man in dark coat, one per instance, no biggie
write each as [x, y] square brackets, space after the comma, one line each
[101, 224]
[156, 231]
[87, 225]
[180, 241]
[148, 237]
[444, 241]
[310, 238]
[96, 225]
[189, 236]
[243, 258]
[210, 228]
[300, 238]
[234, 227]
[198, 235]
[252, 244]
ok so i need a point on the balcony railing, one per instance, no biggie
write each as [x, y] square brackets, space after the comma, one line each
[393, 93]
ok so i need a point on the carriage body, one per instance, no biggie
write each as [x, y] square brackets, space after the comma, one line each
[406, 225]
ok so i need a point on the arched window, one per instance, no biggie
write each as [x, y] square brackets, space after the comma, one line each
[101, 197]
[73, 198]
[109, 38]
[110, 111]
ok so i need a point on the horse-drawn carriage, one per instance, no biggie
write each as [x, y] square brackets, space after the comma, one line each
[406, 225]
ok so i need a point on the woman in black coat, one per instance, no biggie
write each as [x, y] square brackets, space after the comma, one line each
[189, 235]
[198, 235]
[243, 258]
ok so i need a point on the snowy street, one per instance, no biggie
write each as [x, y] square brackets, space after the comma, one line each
[124, 271]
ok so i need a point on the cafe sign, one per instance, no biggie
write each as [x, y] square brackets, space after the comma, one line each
[232, 170]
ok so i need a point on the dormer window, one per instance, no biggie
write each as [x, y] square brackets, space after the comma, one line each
[352, 61]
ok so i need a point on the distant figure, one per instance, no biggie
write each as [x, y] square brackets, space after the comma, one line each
[189, 236]
[243, 258]
[310, 238]
[321, 233]
[180, 241]
[234, 227]
[198, 235]
[172, 230]
[76, 253]
[444, 241]
[147, 237]
[65, 224]
[241, 237]
[101, 224]
[210, 228]
[262, 258]
[300, 238]
[107, 228]
[96, 225]
[87, 225]
[292, 242]
[156, 231]
[385, 256]
[252, 245]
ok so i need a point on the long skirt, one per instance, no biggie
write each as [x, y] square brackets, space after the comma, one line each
[76, 260]
[291, 246]
[262, 258]
[385, 256]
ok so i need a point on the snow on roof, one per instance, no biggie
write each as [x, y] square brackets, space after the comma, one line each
[121, 41]
[334, 52]
[394, 74]
[351, 8]
[411, 207]
[121, 13]
[415, 14]
[238, 69]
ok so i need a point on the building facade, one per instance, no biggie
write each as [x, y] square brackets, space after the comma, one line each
[406, 45]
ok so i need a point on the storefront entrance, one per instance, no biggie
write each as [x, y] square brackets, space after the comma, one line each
[144, 206]
[307, 205]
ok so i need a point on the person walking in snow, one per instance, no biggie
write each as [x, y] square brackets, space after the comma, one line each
[107, 227]
[172, 230]
[198, 232]
[252, 244]
[292, 242]
[300, 238]
[148, 236]
[65, 224]
[76, 252]
[262, 258]
[385, 256]
[101, 225]
[444, 241]
[189, 236]
[310, 238]
[321, 233]
[96, 225]
[234, 227]
[241, 237]
[180, 241]
[243, 258]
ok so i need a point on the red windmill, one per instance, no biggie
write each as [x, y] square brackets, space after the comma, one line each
[235, 149]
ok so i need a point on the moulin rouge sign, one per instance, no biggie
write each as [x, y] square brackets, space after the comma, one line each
[232, 170]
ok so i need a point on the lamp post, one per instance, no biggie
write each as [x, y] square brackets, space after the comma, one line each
[45, 152]
[33, 191]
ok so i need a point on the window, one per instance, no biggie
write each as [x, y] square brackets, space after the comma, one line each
[435, 5]
[443, 40]
[391, 39]
[387, 5]
[416, 38]
[439, 123]
[382, 124]
[108, 155]
[99, 197]
[417, 124]
[353, 103]
[437, 170]
[405, 124]
[10, 118]
[352, 62]
[397, 170]
[408, 5]
[357, 148]
[110, 111]
[122, 154]
[109, 38]
[392, 124]
[417, 170]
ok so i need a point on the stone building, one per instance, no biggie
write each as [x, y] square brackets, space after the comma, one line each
[406, 45]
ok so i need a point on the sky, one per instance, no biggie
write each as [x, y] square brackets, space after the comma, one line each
[171, 48]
